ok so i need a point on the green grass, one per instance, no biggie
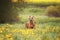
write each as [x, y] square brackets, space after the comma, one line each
[46, 28]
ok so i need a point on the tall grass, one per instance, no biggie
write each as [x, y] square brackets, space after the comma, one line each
[46, 28]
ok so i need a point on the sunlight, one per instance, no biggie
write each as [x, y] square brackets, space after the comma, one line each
[37, 1]
[14, 0]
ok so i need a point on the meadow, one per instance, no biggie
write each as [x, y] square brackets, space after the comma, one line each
[46, 28]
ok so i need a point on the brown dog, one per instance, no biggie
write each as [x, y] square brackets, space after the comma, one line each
[30, 23]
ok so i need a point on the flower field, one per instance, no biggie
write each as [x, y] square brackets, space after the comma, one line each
[46, 28]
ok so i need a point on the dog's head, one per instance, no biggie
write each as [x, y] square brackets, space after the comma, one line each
[30, 18]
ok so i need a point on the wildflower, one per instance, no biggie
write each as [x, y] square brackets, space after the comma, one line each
[1, 30]
[9, 38]
[38, 38]
[1, 38]
[58, 38]
[8, 35]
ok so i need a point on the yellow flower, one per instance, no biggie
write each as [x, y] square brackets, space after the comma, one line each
[9, 38]
[15, 30]
[1, 38]
[58, 38]
[1, 30]
[38, 38]
[8, 35]
[27, 32]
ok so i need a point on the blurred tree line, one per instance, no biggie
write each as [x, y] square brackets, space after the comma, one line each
[44, 4]
[53, 11]
[8, 10]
